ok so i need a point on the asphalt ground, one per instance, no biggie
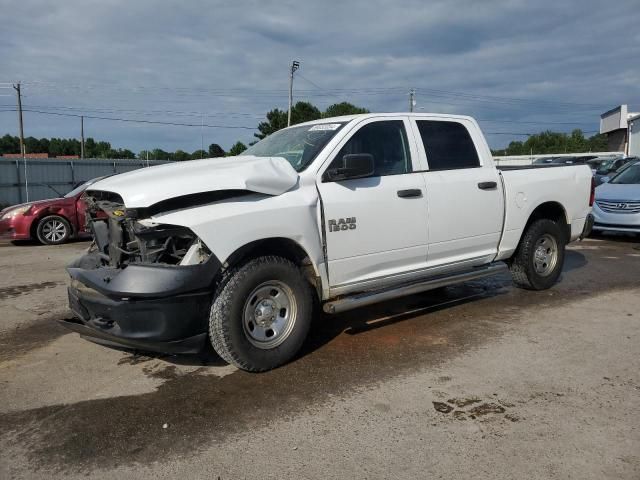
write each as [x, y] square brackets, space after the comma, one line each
[480, 380]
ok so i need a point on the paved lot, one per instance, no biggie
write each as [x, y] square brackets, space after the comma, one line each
[474, 381]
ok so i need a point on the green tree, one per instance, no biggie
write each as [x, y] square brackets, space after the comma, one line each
[32, 145]
[9, 144]
[98, 149]
[237, 149]
[198, 154]
[598, 143]
[549, 142]
[304, 112]
[277, 119]
[89, 148]
[120, 153]
[159, 154]
[215, 151]
[180, 156]
[343, 108]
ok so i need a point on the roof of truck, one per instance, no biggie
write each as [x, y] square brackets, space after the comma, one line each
[348, 118]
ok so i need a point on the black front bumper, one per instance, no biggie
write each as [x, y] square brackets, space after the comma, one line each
[146, 307]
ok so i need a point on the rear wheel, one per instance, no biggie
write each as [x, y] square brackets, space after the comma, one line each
[538, 261]
[261, 314]
[53, 230]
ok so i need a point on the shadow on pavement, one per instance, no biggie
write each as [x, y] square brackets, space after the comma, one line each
[573, 261]
[617, 237]
[326, 328]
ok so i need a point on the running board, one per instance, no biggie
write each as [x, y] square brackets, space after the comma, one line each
[368, 298]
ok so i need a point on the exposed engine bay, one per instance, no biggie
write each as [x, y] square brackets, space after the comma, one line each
[121, 238]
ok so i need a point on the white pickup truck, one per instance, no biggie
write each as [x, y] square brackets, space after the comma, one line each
[339, 212]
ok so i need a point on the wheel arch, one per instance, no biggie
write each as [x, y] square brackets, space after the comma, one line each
[282, 247]
[551, 210]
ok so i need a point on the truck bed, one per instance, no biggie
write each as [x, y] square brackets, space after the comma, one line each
[532, 185]
[539, 165]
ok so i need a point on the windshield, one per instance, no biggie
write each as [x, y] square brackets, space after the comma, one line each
[605, 165]
[628, 162]
[298, 145]
[80, 188]
[629, 176]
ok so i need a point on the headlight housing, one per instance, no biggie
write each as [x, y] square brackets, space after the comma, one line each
[14, 212]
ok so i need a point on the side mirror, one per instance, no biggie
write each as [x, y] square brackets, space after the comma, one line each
[605, 179]
[355, 165]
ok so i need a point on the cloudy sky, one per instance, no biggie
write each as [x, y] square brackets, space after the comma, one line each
[518, 66]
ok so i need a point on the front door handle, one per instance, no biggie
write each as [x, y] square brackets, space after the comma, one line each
[487, 185]
[412, 192]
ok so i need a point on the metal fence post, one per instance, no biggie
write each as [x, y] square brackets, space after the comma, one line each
[20, 197]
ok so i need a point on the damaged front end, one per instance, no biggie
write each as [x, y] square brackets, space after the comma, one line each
[142, 285]
[121, 238]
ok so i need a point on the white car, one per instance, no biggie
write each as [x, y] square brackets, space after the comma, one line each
[347, 211]
[617, 206]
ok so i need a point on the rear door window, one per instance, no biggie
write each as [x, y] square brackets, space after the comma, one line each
[448, 145]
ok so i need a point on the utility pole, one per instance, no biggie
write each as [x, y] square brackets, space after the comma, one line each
[19, 95]
[82, 137]
[295, 65]
[22, 147]
[412, 101]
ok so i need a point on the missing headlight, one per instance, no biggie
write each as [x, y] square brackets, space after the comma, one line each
[121, 238]
[166, 244]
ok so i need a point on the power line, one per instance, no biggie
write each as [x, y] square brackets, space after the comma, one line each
[132, 120]
[526, 134]
[532, 122]
[242, 92]
[317, 86]
[207, 125]
[143, 112]
[158, 122]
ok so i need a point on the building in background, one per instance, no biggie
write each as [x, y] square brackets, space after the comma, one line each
[622, 129]
[634, 136]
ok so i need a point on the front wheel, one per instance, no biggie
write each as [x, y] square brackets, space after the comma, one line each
[538, 261]
[53, 230]
[261, 314]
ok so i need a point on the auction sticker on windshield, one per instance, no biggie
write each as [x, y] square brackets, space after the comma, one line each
[325, 126]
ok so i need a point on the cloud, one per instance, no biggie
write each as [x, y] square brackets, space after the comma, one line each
[229, 60]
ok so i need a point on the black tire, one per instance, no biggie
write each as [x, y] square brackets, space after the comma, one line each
[228, 324]
[53, 230]
[523, 268]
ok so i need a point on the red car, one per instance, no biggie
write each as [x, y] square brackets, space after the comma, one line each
[51, 222]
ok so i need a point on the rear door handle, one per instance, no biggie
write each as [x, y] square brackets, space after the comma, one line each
[412, 192]
[487, 185]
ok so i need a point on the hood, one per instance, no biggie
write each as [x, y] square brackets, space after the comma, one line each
[616, 191]
[148, 186]
[34, 203]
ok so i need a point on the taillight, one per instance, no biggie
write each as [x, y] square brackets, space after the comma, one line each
[592, 196]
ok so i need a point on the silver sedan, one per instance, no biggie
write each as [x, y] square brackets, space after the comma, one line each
[617, 205]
